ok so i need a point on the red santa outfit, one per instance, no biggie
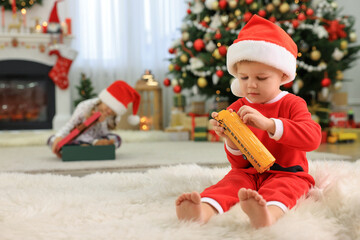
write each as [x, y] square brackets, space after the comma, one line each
[296, 133]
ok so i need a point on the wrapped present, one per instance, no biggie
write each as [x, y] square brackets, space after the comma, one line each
[178, 118]
[338, 119]
[179, 100]
[178, 133]
[87, 153]
[200, 134]
[198, 108]
[198, 120]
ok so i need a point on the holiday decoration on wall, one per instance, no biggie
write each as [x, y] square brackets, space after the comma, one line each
[85, 89]
[325, 41]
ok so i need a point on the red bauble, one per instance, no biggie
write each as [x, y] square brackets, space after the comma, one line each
[247, 16]
[220, 73]
[272, 19]
[262, 13]
[309, 12]
[249, 1]
[177, 67]
[301, 17]
[325, 82]
[217, 36]
[167, 82]
[199, 44]
[222, 51]
[177, 89]
[222, 4]
[295, 23]
[189, 11]
[288, 85]
[172, 50]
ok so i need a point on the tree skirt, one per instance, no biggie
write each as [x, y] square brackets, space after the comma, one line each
[141, 206]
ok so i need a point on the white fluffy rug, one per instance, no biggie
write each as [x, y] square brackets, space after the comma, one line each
[141, 206]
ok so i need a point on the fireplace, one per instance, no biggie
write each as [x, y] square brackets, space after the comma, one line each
[27, 95]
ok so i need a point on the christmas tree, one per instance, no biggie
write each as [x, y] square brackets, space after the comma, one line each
[85, 89]
[325, 41]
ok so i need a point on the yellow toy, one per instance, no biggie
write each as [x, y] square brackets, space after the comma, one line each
[255, 152]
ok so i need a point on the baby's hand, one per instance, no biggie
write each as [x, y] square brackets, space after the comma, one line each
[220, 130]
[254, 118]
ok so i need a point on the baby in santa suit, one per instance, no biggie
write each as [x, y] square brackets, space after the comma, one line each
[112, 104]
[262, 58]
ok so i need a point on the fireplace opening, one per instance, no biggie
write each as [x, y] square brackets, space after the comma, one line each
[27, 95]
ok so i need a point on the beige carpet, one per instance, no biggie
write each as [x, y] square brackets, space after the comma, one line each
[141, 206]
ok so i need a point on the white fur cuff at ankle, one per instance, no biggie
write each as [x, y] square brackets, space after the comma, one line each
[278, 204]
[213, 203]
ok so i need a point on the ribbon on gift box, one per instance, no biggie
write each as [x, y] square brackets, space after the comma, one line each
[193, 115]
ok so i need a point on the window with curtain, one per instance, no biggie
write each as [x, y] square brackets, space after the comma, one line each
[119, 39]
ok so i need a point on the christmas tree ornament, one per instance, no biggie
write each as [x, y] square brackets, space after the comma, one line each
[337, 54]
[247, 16]
[202, 82]
[237, 12]
[295, 23]
[215, 21]
[284, 7]
[207, 37]
[303, 46]
[170, 67]
[339, 75]
[174, 82]
[172, 50]
[232, 25]
[325, 92]
[254, 6]
[218, 35]
[224, 19]
[343, 44]
[295, 87]
[196, 63]
[272, 19]
[262, 13]
[222, 50]
[222, 4]
[188, 11]
[301, 17]
[198, 7]
[352, 37]
[177, 89]
[184, 58]
[184, 74]
[167, 82]
[220, 73]
[276, 2]
[189, 44]
[215, 79]
[199, 44]
[338, 85]
[326, 82]
[248, 2]
[309, 12]
[210, 4]
[216, 54]
[210, 47]
[232, 3]
[65, 57]
[315, 55]
[195, 90]
[206, 19]
[270, 7]
[185, 36]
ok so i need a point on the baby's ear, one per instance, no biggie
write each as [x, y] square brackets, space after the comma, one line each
[284, 77]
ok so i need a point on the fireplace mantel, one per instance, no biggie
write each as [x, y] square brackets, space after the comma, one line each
[35, 47]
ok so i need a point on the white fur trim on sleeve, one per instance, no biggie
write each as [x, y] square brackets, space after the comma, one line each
[213, 203]
[278, 204]
[279, 129]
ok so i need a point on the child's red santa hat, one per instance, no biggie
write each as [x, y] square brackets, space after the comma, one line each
[262, 41]
[54, 18]
[117, 96]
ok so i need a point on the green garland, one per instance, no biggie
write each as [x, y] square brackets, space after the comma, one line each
[20, 4]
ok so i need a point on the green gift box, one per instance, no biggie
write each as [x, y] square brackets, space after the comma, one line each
[87, 153]
[179, 100]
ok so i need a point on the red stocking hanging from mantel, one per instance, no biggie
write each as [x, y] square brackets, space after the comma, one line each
[59, 72]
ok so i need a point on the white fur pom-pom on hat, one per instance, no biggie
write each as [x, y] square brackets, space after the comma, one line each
[117, 96]
[262, 41]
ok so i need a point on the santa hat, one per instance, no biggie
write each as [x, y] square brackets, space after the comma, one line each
[117, 96]
[262, 41]
[54, 18]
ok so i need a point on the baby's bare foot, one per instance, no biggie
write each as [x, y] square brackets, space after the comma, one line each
[188, 207]
[253, 204]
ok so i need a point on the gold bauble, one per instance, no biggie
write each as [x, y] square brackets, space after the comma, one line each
[352, 37]
[202, 82]
[185, 36]
[339, 75]
[232, 25]
[284, 8]
[276, 2]
[207, 37]
[184, 74]
[254, 6]
[315, 55]
[343, 44]
[215, 5]
[216, 54]
[237, 12]
[270, 7]
[232, 3]
[171, 67]
[224, 19]
[206, 19]
[184, 58]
